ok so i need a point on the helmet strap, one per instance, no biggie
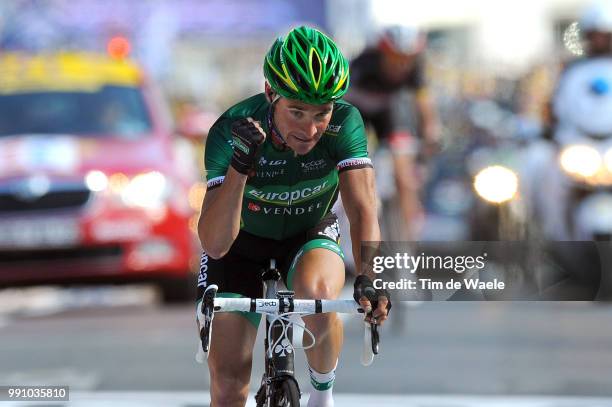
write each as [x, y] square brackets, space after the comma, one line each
[277, 138]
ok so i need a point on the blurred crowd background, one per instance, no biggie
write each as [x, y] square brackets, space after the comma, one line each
[491, 66]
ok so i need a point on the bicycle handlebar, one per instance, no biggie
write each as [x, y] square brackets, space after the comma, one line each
[210, 304]
[267, 306]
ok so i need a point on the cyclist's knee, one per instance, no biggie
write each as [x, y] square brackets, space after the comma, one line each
[319, 274]
[319, 289]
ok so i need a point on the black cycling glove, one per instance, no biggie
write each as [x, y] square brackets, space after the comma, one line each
[364, 288]
[246, 141]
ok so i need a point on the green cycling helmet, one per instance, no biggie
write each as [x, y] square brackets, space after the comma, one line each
[308, 66]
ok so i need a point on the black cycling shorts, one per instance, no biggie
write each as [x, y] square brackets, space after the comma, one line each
[237, 274]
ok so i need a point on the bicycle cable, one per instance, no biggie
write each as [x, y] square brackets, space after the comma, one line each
[282, 318]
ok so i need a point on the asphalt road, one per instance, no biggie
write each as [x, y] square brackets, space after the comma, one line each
[124, 340]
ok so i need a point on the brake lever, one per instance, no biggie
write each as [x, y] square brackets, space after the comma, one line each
[375, 338]
[207, 310]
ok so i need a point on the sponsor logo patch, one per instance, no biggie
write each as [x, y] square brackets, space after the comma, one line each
[331, 231]
[292, 210]
[313, 165]
[214, 182]
[203, 275]
[354, 163]
[254, 207]
[332, 128]
[289, 197]
[241, 146]
[263, 161]
[283, 348]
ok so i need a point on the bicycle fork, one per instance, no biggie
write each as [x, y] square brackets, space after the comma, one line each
[279, 351]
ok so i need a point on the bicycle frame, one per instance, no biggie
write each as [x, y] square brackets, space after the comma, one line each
[279, 352]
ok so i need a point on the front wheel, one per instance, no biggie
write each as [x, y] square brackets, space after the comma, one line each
[286, 394]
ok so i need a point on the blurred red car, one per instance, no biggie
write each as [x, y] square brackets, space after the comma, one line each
[94, 185]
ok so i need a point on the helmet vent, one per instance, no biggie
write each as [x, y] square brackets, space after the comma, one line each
[316, 67]
[301, 43]
[295, 75]
[283, 86]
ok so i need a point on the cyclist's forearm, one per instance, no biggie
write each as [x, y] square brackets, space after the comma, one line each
[364, 229]
[219, 222]
[359, 200]
[426, 113]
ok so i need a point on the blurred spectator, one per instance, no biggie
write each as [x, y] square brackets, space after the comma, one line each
[596, 29]
[378, 75]
[596, 24]
[36, 28]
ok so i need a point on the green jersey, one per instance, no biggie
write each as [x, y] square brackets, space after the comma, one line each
[288, 194]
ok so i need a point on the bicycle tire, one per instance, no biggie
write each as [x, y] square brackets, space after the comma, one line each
[286, 394]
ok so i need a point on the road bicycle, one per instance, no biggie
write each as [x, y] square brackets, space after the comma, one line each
[278, 385]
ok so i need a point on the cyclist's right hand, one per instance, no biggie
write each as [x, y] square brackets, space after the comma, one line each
[247, 136]
[378, 301]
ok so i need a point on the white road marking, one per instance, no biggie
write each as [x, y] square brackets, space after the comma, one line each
[197, 399]
[71, 377]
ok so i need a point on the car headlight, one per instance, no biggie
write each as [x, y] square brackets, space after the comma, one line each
[148, 190]
[581, 160]
[96, 181]
[496, 184]
[608, 160]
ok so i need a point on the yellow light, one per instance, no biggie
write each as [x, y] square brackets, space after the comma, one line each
[118, 182]
[148, 190]
[608, 160]
[581, 160]
[496, 184]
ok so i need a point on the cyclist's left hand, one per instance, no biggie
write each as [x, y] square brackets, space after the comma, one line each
[376, 303]
[431, 147]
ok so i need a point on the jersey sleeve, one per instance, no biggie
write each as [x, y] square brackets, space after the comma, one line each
[217, 154]
[352, 143]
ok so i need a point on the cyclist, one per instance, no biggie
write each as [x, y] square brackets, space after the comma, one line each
[379, 74]
[275, 163]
